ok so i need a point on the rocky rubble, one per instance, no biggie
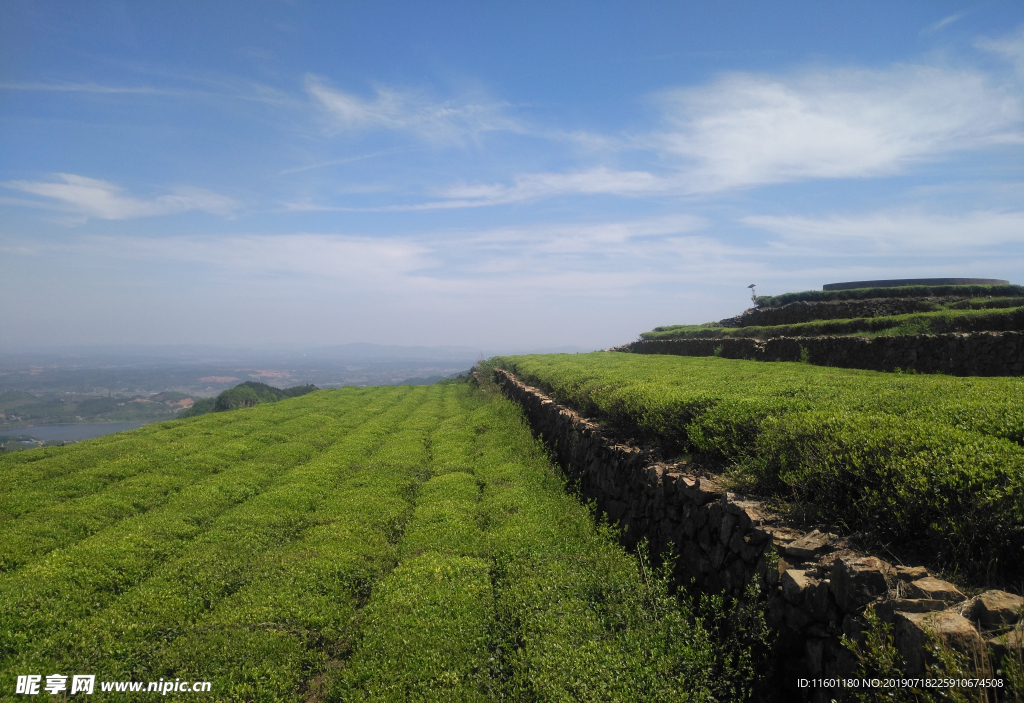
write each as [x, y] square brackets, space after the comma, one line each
[817, 588]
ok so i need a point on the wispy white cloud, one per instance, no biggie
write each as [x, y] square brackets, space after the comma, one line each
[1010, 47]
[94, 198]
[945, 22]
[746, 130]
[608, 256]
[880, 233]
[208, 89]
[586, 236]
[344, 257]
[595, 181]
[526, 187]
[338, 162]
[391, 109]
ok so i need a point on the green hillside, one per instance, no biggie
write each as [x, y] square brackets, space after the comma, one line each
[926, 462]
[390, 543]
[245, 395]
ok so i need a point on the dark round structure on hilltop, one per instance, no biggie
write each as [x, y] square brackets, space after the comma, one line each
[916, 282]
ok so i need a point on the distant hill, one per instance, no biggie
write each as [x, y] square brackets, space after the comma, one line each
[245, 395]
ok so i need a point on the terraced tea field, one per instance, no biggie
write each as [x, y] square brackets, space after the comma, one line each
[392, 543]
[866, 312]
[926, 460]
[940, 322]
[899, 291]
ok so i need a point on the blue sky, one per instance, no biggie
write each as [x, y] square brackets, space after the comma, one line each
[498, 175]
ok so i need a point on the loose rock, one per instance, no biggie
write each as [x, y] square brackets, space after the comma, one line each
[857, 582]
[1010, 644]
[887, 610]
[911, 637]
[935, 589]
[811, 544]
[794, 583]
[995, 608]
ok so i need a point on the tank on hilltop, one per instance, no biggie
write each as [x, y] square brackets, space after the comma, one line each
[898, 282]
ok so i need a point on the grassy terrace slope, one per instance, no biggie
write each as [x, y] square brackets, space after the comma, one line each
[387, 543]
[916, 323]
[896, 292]
[930, 460]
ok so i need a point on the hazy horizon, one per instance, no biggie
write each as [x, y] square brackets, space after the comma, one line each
[355, 350]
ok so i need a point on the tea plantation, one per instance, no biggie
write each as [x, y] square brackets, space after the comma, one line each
[929, 463]
[391, 543]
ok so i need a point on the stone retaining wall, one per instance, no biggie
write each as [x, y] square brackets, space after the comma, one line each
[957, 354]
[818, 588]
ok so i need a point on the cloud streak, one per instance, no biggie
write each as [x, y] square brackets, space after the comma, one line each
[338, 257]
[94, 198]
[595, 181]
[573, 259]
[90, 88]
[1010, 47]
[395, 110]
[945, 22]
[879, 233]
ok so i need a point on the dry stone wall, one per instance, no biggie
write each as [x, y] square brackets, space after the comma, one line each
[966, 354]
[817, 588]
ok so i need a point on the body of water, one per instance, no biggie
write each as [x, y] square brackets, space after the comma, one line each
[73, 433]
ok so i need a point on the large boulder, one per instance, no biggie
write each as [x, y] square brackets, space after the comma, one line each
[911, 573]
[912, 639]
[810, 545]
[857, 582]
[996, 608]
[932, 588]
[886, 610]
[794, 583]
